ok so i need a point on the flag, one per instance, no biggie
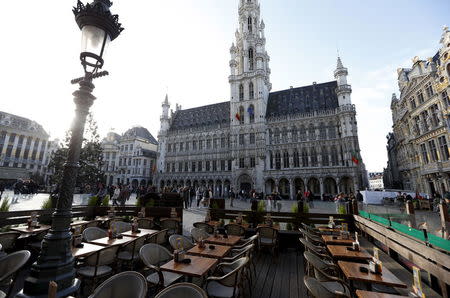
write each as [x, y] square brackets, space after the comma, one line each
[250, 111]
[238, 117]
[355, 158]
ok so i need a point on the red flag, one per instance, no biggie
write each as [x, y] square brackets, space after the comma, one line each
[355, 158]
[238, 117]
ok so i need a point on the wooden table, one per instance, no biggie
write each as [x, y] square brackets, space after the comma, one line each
[220, 240]
[87, 249]
[352, 273]
[218, 252]
[368, 294]
[198, 267]
[342, 252]
[213, 223]
[175, 218]
[337, 240]
[105, 241]
[26, 230]
[143, 232]
[79, 222]
[276, 227]
[326, 229]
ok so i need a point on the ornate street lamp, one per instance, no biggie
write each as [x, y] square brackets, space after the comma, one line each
[55, 262]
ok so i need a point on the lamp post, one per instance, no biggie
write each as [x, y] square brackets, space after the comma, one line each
[55, 262]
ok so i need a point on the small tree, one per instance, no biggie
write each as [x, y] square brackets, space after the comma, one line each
[91, 157]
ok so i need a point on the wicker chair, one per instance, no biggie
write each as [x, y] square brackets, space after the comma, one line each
[153, 256]
[268, 237]
[245, 242]
[98, 265]
[204, 226]
[158, 238]
[8, 240]
[184, 289]
[235, 229]
[35, 241]
[128, 284]
[320, 251]
[186, 243]
[312, 231]
[172, 225]
[9, 266]
[230, 284]
[314, 239]
[198, 234]
[145, 223]
[240, 253]
[129, 252]
[318, 289]
[120, 226]
[91, 224]
[94, 233]
[327, 274]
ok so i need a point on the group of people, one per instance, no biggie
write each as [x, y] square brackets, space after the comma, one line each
[21, 188]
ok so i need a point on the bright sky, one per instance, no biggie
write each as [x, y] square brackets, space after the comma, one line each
[182, 46]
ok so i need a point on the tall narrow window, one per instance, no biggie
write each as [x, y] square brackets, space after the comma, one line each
[325, 159]
[423, 149]
[271, 159]
[313, 157]
[249, 24]
[241, 115]
[251, 91]
[241, 92]
[250, 59]
[296, 159]
[251, 113]
[294, 134]
[277, 160]
[305, 158]
[433, 151]
[286, 159]
[334, 156]
[443, 148]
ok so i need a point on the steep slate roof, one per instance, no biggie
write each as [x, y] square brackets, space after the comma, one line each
[302, 100]
[140, 132]
[213, 114]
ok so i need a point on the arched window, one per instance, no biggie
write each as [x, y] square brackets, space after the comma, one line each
[294, 134]
[302, 133]
[271, 159]
[241, 92]
[312, 132]
[251, 114]
[285, 159]
[249, 24]
[325, 159]
[241, 115]
[250, 59]
[313, 157]
[284, 135]
[331, 131]
[277, 135]
[277, 160]
[322, 131]
[334, 156]
[251, 91]
[296, 159]
[305, 158]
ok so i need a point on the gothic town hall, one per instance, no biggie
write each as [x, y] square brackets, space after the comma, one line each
[283, 141]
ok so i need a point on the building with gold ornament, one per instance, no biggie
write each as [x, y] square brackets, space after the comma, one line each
[419, 158]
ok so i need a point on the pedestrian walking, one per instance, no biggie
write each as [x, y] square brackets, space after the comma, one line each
[232, 197]
[115, 195]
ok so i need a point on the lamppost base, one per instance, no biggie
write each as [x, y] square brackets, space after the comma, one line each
[63, 293]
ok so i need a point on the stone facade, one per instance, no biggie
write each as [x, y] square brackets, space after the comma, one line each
[285, 141]
[421, 122]
[23, 148]
[130, 158]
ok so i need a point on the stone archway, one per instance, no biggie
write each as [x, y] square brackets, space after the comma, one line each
[161, 184]
[195, 184]
[134, 184]
[245, 183]
[269, 186]
[314, 186]
[346, 185]
[299, 185]
[284, 188]
[211, 186]
[188, 183]
[330, 186]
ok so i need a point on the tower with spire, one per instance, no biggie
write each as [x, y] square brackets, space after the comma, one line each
[164, 128]
[344, 90]
[249, 91]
